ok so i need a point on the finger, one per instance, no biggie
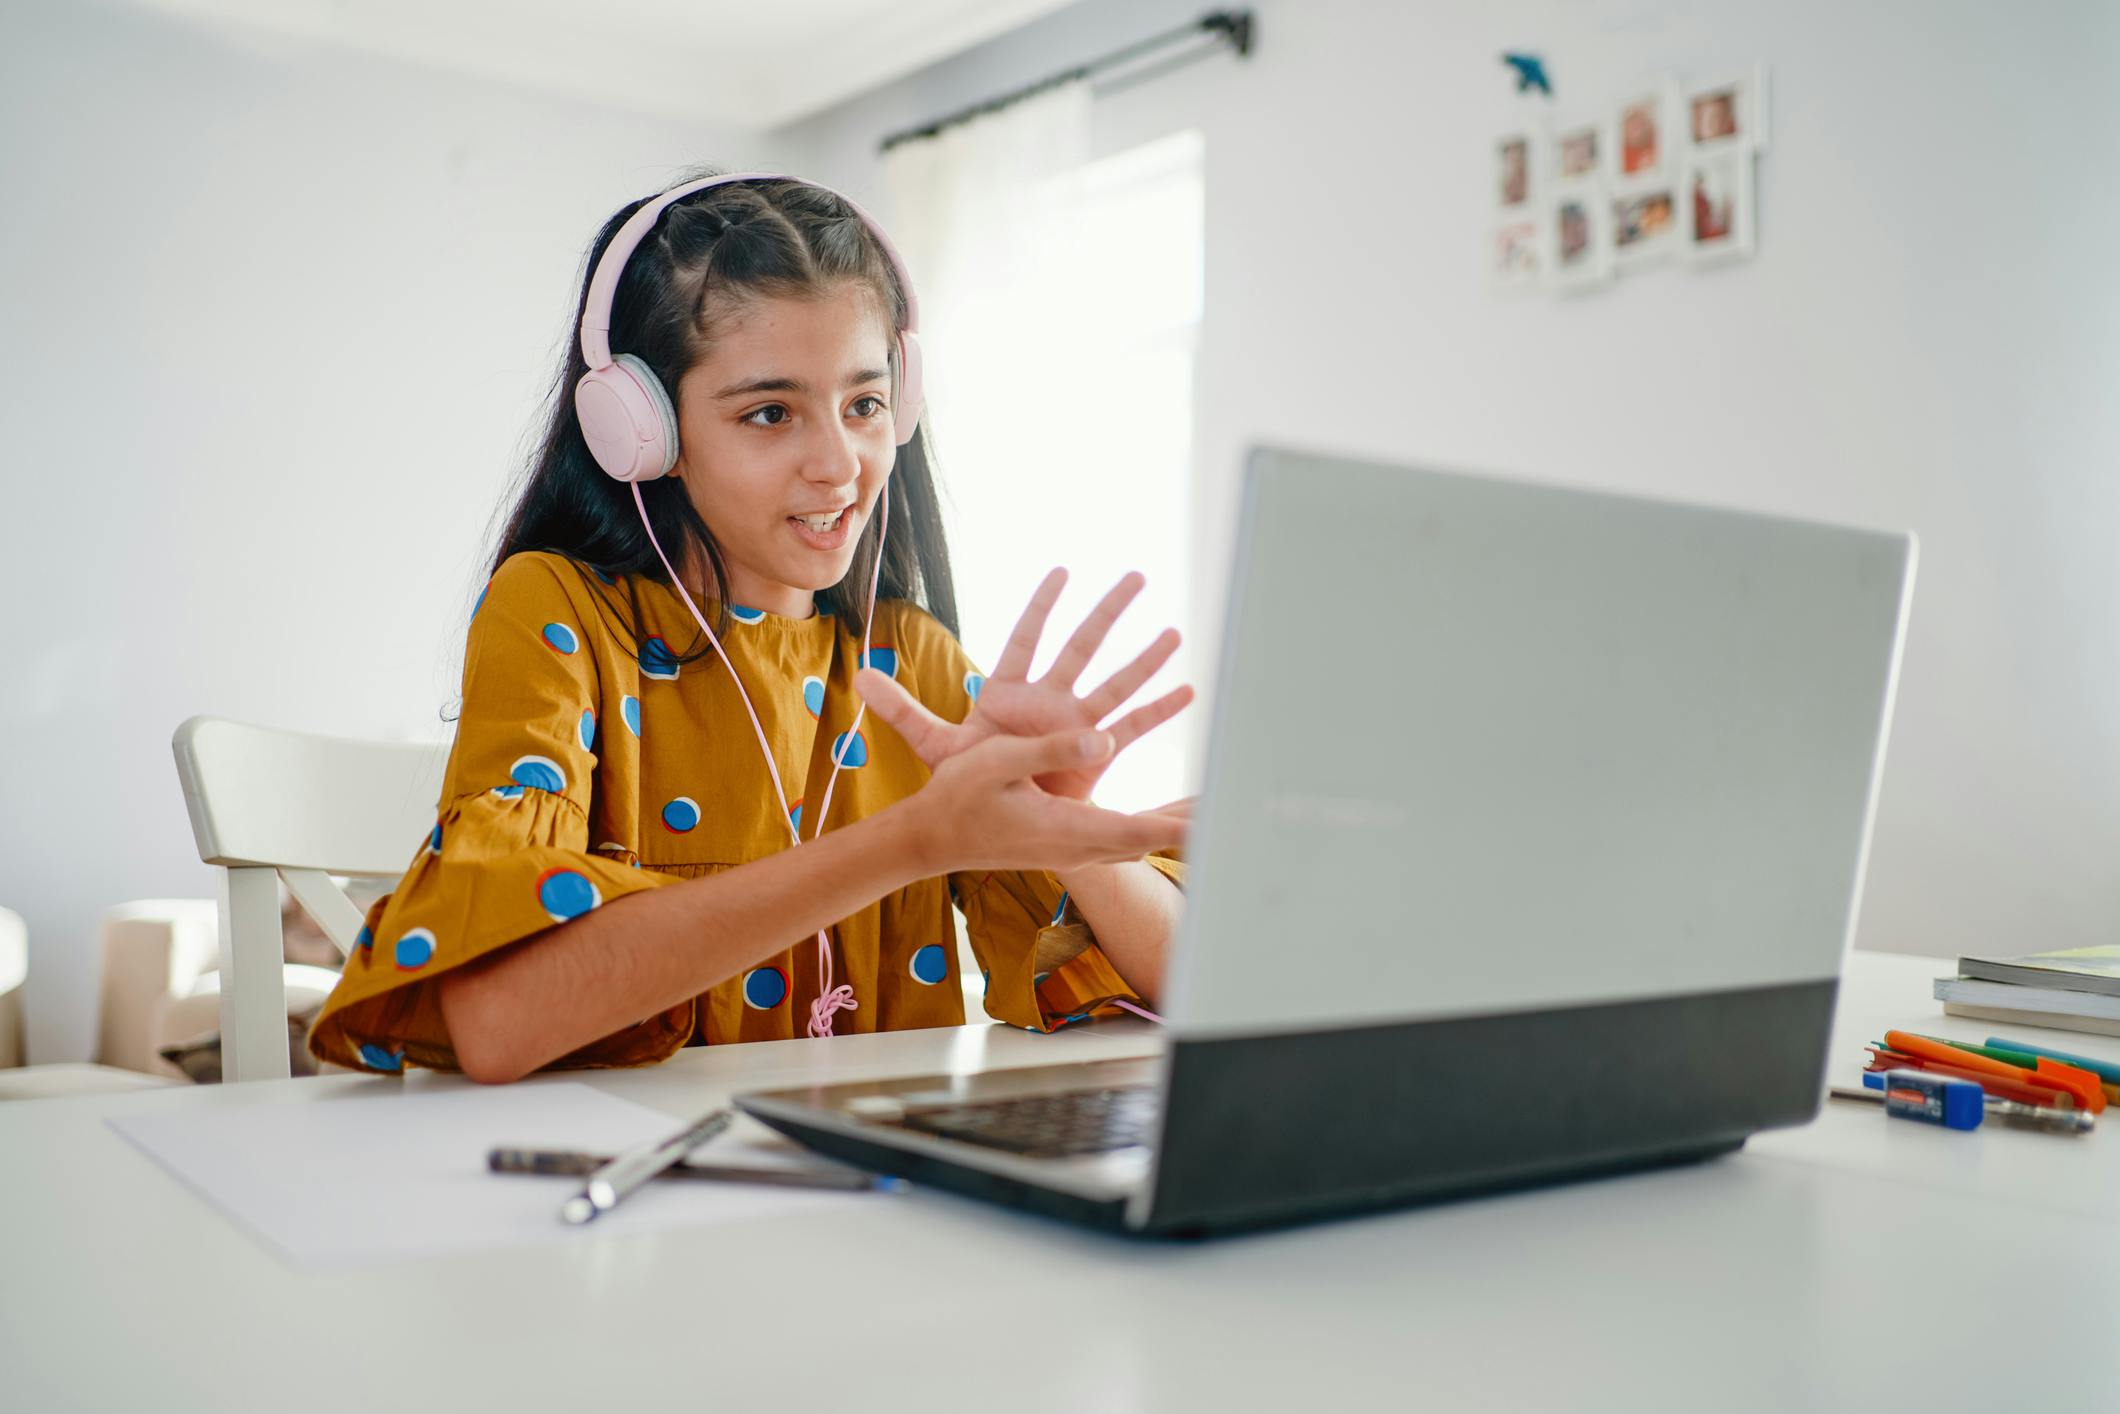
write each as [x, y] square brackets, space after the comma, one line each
[898, 709]
[1117, 836]
[1014, 757]
[1143, 720]
[1182, 809]
[1123, 684]
[1022, 646]
[1086, 640]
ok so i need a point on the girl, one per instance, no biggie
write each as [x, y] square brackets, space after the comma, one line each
[611, 876]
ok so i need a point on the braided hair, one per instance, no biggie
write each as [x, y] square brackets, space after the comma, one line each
[707, 255]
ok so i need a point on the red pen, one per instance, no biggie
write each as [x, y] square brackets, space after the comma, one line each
[2028, 1092]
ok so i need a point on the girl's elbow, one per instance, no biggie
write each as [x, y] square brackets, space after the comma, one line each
[481, 1044]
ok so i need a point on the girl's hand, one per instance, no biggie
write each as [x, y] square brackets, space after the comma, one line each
[1010, 704]
[983, 809]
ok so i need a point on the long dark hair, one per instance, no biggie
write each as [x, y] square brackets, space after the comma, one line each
[777, 238]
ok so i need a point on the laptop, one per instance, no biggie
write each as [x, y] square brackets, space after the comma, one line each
[1530, 849]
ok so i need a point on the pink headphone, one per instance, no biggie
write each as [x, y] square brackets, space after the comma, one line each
[627, 417]
[630, 424]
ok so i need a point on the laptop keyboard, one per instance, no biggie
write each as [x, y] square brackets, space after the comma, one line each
[1052, 1126]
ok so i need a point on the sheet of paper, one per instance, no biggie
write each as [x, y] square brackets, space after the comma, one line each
[383, 1176]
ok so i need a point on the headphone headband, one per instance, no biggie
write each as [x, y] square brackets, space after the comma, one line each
[603, 284]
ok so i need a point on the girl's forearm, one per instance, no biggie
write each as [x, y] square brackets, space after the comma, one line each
[1134, 910]
[597, 974]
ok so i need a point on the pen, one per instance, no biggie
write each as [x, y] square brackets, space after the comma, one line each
[2081, 1084]
[2104, 1070]
[574, 1164]
[631, 1169]
[1914, 1094]
[2027, 1057]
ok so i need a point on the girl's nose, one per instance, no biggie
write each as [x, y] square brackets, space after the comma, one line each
[832, 456]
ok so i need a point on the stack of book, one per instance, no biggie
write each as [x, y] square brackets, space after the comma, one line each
[2077, 989]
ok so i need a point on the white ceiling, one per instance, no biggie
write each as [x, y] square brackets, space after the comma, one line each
[742, 63]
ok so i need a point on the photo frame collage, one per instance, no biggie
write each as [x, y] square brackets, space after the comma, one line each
[1667, 173]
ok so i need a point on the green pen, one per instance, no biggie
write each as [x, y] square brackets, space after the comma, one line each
[2027, 1059]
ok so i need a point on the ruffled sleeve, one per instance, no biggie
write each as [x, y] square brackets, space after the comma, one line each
[509, 855]
[1038, 956]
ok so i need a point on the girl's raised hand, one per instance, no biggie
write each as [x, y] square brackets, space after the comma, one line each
[982, 809]
[1010, 704]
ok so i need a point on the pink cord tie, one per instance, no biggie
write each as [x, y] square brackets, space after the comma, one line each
[1138, 1011]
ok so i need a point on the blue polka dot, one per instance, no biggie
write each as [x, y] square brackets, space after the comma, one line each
[414, 950]
[795, 815]
[1060, 912]
[857, 752]
[680, 814]
[434, 841]
[930, 965]
[508, 792]
[883, 657]
[972, 683]
[566, 893]
[629, 708]
[745, 614]
[813, 695]
[376, 1058]
[764, 988]
[365, 939]
[657, 661]
[479, 602]
[588, 729]
[606, 578]
[538, 773]
[560, 638]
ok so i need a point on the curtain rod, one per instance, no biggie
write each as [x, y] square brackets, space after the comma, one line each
[1233, 27]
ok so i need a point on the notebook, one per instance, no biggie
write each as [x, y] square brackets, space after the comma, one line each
[2068, 969]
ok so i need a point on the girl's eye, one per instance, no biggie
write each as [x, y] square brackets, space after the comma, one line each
[876, 411]
[761, 412]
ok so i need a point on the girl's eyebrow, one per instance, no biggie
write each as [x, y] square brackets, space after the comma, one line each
[796, 385]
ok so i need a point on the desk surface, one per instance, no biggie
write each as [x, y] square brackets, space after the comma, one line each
[1792, 1274]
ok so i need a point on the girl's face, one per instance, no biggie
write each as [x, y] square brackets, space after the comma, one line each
[785, 438]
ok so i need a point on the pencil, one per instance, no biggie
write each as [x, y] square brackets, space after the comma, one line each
[571, 1164]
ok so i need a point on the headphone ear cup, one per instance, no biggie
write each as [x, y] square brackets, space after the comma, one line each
[910, 391]
[627, 420]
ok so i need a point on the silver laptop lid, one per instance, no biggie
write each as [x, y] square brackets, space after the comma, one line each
[1481, 746]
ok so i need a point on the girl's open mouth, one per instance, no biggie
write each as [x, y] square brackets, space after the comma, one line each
[823, 532]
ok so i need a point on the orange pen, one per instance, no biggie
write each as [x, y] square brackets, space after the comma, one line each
[2089, 1094]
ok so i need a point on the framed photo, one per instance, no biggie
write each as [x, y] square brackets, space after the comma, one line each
[1720, 200]
[1515, 170]
[1645, 226]
[1514, 259]
[1645, 135]
[1581, 151]
[1582, 237]
[1730, 111]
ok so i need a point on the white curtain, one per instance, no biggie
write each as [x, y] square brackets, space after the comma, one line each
[1059, 305]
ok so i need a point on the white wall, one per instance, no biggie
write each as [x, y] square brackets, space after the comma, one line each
[278, 319]
[1929, 338]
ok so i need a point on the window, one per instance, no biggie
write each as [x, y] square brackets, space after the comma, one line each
[1065, 425]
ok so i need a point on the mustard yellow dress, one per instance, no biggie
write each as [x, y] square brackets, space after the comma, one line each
[588, 766]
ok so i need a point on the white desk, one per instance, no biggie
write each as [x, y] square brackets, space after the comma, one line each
[1796, 1274]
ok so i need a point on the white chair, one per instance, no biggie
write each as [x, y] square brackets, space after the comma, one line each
[267, 805]
[14, 970]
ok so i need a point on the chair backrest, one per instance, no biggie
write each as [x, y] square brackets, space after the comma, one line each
[268, 805]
